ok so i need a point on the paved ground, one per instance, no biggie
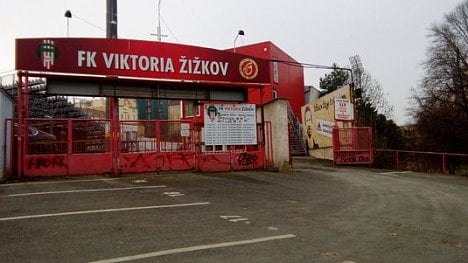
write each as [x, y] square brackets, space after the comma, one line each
[319, 213]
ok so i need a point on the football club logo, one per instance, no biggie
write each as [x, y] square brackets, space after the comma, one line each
[248, 68]
[47, 52]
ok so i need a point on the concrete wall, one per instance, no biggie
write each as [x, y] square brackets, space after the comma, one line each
[276, 111]
[322, 153]
[6, 112]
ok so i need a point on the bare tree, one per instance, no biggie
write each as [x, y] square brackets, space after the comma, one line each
[374, 94]
[441, 102]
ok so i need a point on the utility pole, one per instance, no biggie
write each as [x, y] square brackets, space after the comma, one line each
[158, 28]
[159, 21]
[111, 19]
[113, 102]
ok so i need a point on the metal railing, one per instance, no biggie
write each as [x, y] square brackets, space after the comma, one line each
[296, 129]
[454, 163]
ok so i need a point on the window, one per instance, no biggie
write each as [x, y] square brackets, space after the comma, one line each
[191, 109]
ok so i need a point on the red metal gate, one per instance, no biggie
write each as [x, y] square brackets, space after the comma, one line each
[61, 147]
[154, 146]
[58, 147]
[353, 145]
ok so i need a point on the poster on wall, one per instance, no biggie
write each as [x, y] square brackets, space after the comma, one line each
[325, 128]
[230, 124]
[318, 117]
[344, 110]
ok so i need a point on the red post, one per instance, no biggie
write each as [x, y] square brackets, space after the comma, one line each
[69, 137]
[444, 164]
[26, 114]
[157, 134]
[397, 153]
[19, 130]
[115, 134]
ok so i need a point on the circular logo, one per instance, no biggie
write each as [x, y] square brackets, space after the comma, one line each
[248, 68]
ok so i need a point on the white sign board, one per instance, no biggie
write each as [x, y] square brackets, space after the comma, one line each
[230, 124]
[325, 128]
[344, 110]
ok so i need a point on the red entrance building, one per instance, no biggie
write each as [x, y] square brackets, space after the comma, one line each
[119, 68]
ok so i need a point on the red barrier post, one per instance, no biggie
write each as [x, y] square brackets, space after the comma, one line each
[397, 156]
[444, 167]
[19, 130]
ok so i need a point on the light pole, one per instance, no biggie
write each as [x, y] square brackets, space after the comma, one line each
[68, 15]
[239, 33]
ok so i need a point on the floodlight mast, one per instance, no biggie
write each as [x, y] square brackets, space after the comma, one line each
[357, 69]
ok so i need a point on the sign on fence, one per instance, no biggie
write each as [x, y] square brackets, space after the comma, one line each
[343, 110]
[230, 124]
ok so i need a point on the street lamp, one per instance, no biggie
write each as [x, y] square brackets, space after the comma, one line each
[239, 33]
[68, 15]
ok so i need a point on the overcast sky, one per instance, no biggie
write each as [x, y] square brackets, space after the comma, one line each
[388, 35]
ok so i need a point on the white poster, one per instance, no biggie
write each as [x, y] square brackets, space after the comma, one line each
[325, 128]
[343, 110]
[230, 124]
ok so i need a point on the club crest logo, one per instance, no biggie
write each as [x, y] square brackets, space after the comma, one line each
[248, 68]
[47, 52]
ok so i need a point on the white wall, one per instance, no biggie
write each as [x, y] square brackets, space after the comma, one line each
[276, 111]
[6, 112]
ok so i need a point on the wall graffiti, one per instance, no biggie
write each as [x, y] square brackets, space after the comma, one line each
[42, 162]
[352, 157]
[140, 160]
[174, 161]
[210, 158]
[247, 159]
[157, 161]
[186, 159]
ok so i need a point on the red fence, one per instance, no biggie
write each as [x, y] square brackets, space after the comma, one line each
[454, 163]
[353, 145]
[56, 147]
[59, 147]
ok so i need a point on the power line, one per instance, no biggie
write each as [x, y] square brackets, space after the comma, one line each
[170, 31]
[88, 22]
[308, 65]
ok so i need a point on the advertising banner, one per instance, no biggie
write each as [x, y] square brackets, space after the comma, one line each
[318, 118]
[138, 59]
[230, 124]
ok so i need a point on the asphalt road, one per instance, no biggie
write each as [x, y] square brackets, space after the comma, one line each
[319, 213]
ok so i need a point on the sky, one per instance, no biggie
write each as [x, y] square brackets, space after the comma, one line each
[390, 36]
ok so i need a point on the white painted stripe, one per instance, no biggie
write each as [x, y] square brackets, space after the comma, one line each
[67, 181]
[101, 211]
[402, 172]
[88, 190]
[194, 248]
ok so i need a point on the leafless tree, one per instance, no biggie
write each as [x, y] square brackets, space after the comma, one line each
[441, 101]
[374, 94]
